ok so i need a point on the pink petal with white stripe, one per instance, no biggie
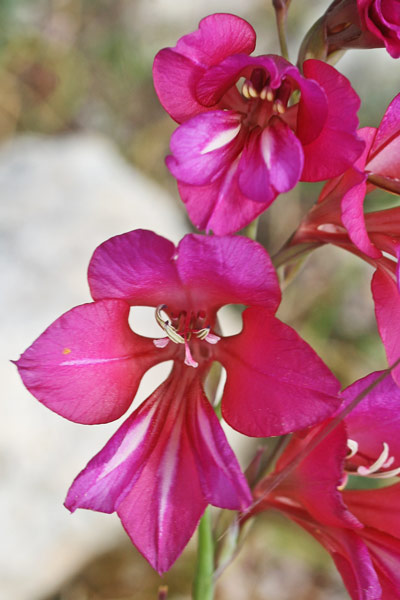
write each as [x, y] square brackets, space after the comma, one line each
[221, 479]
[88, 364]
[203, 147]
[271, 163]
[161, 469]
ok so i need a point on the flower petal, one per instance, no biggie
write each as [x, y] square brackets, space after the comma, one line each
[337, 143]
[384, 154]
[88, 364]
[227, 270]
[112, 473]
[351, 192]
[176, 70]
[221, 478]
[379, 407]
[138, 267]
[378, 509]
[271, 163]
[174, 75]
[204, 147]
[219, 207]
[161, 468]
[147, 473]
[387, 309]
[217, 37]
[314, 482]
[285, 385]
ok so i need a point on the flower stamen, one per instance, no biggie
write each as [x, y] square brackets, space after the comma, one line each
[383, 462]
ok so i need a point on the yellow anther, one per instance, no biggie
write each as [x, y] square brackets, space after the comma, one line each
[278, 107]
[270, 95]
[245, 90]
[253, 92]
[66, 351]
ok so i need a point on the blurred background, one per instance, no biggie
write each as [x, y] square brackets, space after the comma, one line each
[82, 146]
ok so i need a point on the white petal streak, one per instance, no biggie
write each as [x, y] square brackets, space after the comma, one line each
[130, 443]
[207, 435]
[91, 361]
[221, 139]
[267, 143]
[167, 470]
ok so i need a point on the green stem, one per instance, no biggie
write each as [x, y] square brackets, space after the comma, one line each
[203, 587]
[281, 8]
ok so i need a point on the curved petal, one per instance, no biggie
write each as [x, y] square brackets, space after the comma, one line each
[88, 364]
[352, 208]
[227, 270]
[174, 78]
[138, 267]
[349, 552]
[384, 154]
[380, 408]
[337, 143]
[384, 550]
[351, 191]
[176, 70]
[352, 560]
[387, 310]
[219, 207]
[312, 109]
[285, 385]
[218, 36]
[205, 146]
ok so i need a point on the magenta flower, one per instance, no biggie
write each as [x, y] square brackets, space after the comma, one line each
[360, 528]
[235, 151]
[342, 199]
[171, 458]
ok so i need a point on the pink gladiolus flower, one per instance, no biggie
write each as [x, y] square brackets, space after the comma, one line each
[171, 458]
[342, 199]
[339, 218]
[360, 528]
[237, 149]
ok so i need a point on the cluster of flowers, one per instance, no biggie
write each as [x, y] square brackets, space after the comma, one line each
[250, 127]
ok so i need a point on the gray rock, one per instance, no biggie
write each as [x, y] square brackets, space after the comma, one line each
[60, 198]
